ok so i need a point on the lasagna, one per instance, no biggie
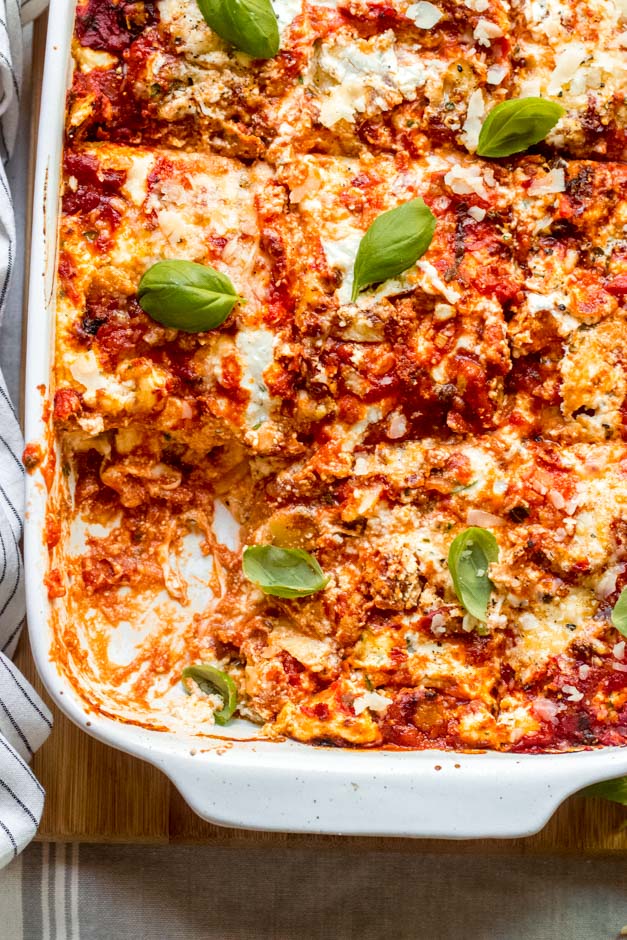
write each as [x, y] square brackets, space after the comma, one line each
[359, 430]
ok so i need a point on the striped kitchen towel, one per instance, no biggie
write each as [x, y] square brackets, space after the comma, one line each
[24, 720]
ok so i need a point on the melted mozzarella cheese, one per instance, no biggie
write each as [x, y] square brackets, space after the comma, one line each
[85, 369]
[286, 11]
[432, 283]
[90, 59]
[547, 631]
[136, 184]
[313, 653]
[375, 701]
[134, 388]
[341, 254]
[255, 348]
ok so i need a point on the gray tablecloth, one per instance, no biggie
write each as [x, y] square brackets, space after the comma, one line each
[92, 892]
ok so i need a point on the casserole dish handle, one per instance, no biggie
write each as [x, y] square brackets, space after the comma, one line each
[454, 796]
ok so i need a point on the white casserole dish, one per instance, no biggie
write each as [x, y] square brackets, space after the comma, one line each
[245, 781]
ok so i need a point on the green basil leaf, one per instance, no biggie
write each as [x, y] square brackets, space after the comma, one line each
[468, 559]
[186, 296]
[394, 241]
[614, 790]
[619, 614]
[249, 25]
[283, 572]
[211, 680]
[517, 124]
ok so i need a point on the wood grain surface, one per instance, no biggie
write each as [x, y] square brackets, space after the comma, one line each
[97, 794]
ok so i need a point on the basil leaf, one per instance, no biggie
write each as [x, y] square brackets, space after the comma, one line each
[614, 790]
[283, 572]
[517, 124]
[468, 559]
[619, 614]
[249, 25]
[394, 241]
[211, 680]
[186, 296]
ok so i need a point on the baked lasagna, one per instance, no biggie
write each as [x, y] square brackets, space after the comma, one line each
[405, 491]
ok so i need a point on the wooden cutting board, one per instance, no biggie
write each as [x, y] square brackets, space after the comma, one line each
[97, 794]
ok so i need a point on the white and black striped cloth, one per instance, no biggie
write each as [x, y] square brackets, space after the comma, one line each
[24, 720]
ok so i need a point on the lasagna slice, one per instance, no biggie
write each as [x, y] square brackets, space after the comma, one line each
[116, 368]
[350, 77]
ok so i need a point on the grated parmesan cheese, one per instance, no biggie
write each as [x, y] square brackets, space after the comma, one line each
[549, 183]
[425, 15]
[477, 213]
[572, 693]
[474, 118]
[566, 66]
[486, 31]
[467, 179]
[496, 74]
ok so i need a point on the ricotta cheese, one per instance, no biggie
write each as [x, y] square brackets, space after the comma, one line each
[358, 76]
[432, 283]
